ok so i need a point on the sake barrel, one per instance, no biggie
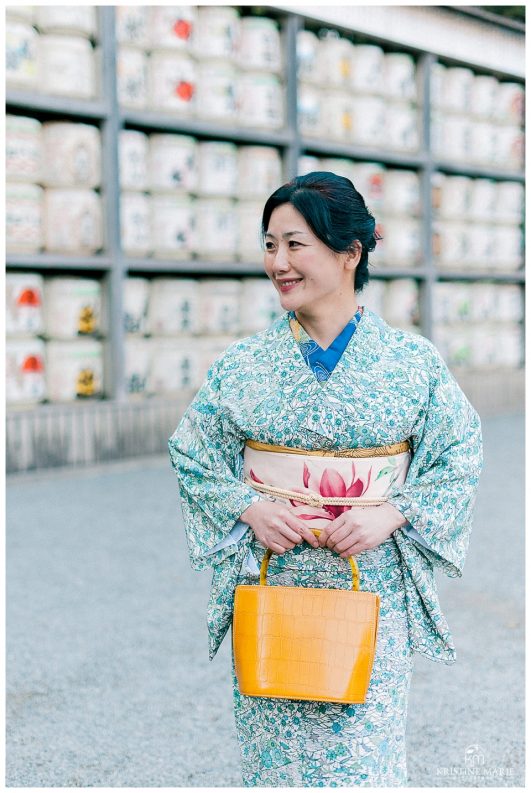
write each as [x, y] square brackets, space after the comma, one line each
[24, 314]
[72, 220]
[259, 45]
[336, 55]
[509, 347]
[68, 66]
[174, 307]
[509, 202]
[131, 77]
[509, 302]
[484, 342]
[481, 142]
[437, 73]
[74, 370]
[483, 301]
[403, 241]
[248, 220]
[449, 243]
[457, 85]
[401, 302]
[480, 245]
[24, 223]
[483, 95]
[509, 104]
[23, 149]
[135, 223]
[216, 97]
[308, 63]
[453, 136]
[76, 19]
[22, 13]
[133, 147]
[369, 115]
[338, 165]
[72, 307]
[25, 371]
[309, 110]
[137, 360]
[72, 154]
[261, 100]
[217, 168]
[217, 32]
[172, 163]
[219, 300]
[400, 79]
[369, 180]
[132, 25]
[436, 132]
[208, 349]
[451, 195]
[508, 247]
[508, 147]
[308, 163]
[402, 126]
[367, 69]
[172, 225]
[443, 304]
[483, 199]
[173, 367]
[338, 109]
[217, 229]
[401, 191]
[372, 296]
[379, 255]
[173, 26]
[22, 55]
[259, 304]
[259, 171]
[136, 297]
[172, 81]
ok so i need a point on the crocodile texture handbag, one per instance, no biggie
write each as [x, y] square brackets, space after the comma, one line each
[304, 643]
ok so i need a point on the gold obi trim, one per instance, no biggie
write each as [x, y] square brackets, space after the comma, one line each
[374, 451]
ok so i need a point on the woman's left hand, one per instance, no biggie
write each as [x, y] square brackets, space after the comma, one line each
[361, 528]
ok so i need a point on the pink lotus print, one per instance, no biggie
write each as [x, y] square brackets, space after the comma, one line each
[331, 484]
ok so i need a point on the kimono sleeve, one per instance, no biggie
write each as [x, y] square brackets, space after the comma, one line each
[439, 492]
[205, 453]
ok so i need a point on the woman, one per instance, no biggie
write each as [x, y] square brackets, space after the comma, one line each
[330, 400]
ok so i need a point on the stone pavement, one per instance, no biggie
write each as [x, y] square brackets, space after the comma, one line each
[108, 678]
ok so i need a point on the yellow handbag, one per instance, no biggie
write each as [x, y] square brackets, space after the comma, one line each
[304, 643]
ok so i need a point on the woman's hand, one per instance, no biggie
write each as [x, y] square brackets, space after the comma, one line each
[361, 528]
[276, 526]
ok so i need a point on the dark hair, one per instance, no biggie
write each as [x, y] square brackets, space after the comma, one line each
[335, 212]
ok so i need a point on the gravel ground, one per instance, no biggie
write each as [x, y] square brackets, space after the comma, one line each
[108, 678]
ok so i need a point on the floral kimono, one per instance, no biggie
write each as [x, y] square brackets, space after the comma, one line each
[375, 386]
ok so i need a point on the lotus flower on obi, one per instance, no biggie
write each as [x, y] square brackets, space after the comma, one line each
[330, 483]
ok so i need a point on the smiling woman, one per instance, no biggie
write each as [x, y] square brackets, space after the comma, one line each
[366, 428]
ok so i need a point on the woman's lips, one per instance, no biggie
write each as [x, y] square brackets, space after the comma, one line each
[288, 287]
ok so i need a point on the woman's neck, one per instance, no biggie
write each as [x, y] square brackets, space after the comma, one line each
[325, 326]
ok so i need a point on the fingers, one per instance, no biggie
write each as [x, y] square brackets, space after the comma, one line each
[302, 532]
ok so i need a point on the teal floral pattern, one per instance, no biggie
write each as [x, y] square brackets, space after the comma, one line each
[388, 386]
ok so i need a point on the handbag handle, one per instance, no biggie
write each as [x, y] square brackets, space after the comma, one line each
[317, 532]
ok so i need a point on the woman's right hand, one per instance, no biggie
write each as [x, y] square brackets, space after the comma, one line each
[276, 526]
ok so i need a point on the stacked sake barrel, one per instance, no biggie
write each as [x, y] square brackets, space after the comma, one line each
[53, 174]
[176, 327]
[54, 342]
[477, 223]
[476, 118]
[52, 50]
[201, 62]
[478, 325]
[393, 196]
[182, 198]
[356, 93]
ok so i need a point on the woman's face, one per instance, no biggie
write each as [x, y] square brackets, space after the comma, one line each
[294, 253]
